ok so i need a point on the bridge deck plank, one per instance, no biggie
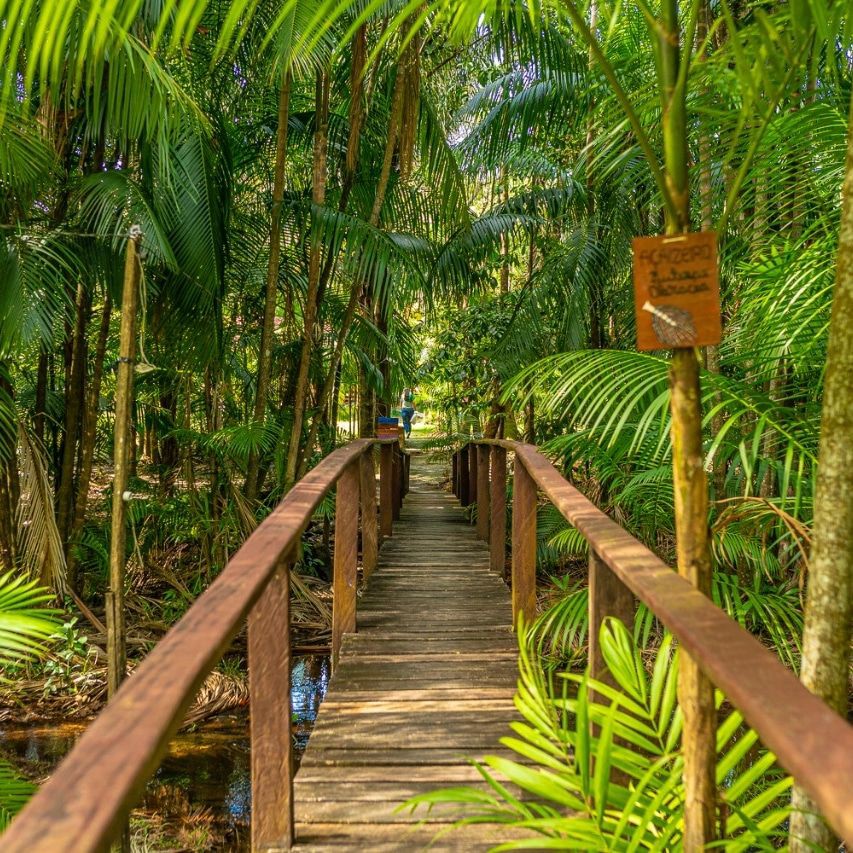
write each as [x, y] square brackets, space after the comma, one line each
[426, 684]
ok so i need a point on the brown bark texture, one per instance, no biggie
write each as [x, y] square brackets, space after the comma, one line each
[827, 631]
[271, 292]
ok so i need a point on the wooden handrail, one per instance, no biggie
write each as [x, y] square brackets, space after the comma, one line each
[84, 804]
[811, 741]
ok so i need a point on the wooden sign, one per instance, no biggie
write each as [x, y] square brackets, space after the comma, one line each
[677, 291]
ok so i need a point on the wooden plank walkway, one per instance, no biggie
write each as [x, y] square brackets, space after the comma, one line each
[425, 684]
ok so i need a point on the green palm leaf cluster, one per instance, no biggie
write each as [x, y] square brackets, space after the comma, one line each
[599, 765]
[26, 623]
[26, 628]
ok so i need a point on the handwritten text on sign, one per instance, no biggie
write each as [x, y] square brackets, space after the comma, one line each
[677, 291]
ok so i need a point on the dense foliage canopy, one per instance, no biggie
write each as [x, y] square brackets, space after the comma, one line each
[340, 200]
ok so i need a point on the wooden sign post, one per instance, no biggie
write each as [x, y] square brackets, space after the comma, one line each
[677, 291]
[677, 302]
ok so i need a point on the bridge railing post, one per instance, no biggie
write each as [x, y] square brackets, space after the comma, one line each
[524, 496]
[464, 480]
[454, 472]
[386, 490]
[396, 482]
[269, 698]
[483, 498]
[369, 526]
[497, 511]
[346, 557]
[608, 596]
[407, 470]
[472, 473]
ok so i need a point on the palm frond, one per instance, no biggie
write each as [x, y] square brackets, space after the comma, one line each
[41, 551]
[25, 623]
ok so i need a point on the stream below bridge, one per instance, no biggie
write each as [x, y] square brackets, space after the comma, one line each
[200, 796]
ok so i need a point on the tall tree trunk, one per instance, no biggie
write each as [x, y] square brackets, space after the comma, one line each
[74, 402]
[356, 121]
[394, 132]
[827, 631]
[366, 402]
[41, 396]
[87, 443]
[334, 406]
[358, 290]
[318, 197]
[116, 652]
[504, 240]
[252, 485]
[8, 483]
[168, 451]
[706, 206]
[530, 422]
[695, 691]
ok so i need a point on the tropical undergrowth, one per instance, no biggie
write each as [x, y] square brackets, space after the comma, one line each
[27, 629]
[599, 767]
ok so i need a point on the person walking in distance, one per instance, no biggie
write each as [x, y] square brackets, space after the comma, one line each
[407, 409]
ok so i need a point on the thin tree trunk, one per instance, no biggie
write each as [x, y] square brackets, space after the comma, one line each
[695, 691]
[357, 289]
[530, 422]
[366, 404]
[318, 197]
[41, 396]
[504, 280]
[8, 478]
[74, 401]
[87, 443]
[116, 652]
[7, 518]
[252, 485]
[706, 205]
[827, 631]
[356, 121]
[186, 450]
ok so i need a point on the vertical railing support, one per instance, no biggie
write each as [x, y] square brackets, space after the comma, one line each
[369, 528]
[464, 480]
[608, 596]
[407, 470]
[386, 490]
[483, 499]
[471, 450]
[454, 473]
[346, 557]
[397, 482]
[523, 545]
[269, 697]
[497, 513]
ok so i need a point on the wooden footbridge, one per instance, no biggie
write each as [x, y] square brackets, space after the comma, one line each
[423, 661]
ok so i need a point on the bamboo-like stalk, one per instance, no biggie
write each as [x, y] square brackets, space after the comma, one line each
[318, 197]
[116, 651]
[695, 691]
[268, 328]
[829, 605]
[356, 290]
[74, 402]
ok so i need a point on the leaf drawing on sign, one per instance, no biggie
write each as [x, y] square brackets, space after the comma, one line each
[673, 326]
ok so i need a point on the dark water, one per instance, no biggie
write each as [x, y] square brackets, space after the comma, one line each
[204, 780]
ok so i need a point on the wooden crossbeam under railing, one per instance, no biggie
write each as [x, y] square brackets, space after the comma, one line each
[811, 741]
[86, 801]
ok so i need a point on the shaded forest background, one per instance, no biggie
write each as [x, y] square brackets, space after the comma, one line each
[335, 205]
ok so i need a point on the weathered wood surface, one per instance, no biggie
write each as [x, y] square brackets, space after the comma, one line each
[425, 684]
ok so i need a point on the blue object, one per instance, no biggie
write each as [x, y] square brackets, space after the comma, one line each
[388, 421]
